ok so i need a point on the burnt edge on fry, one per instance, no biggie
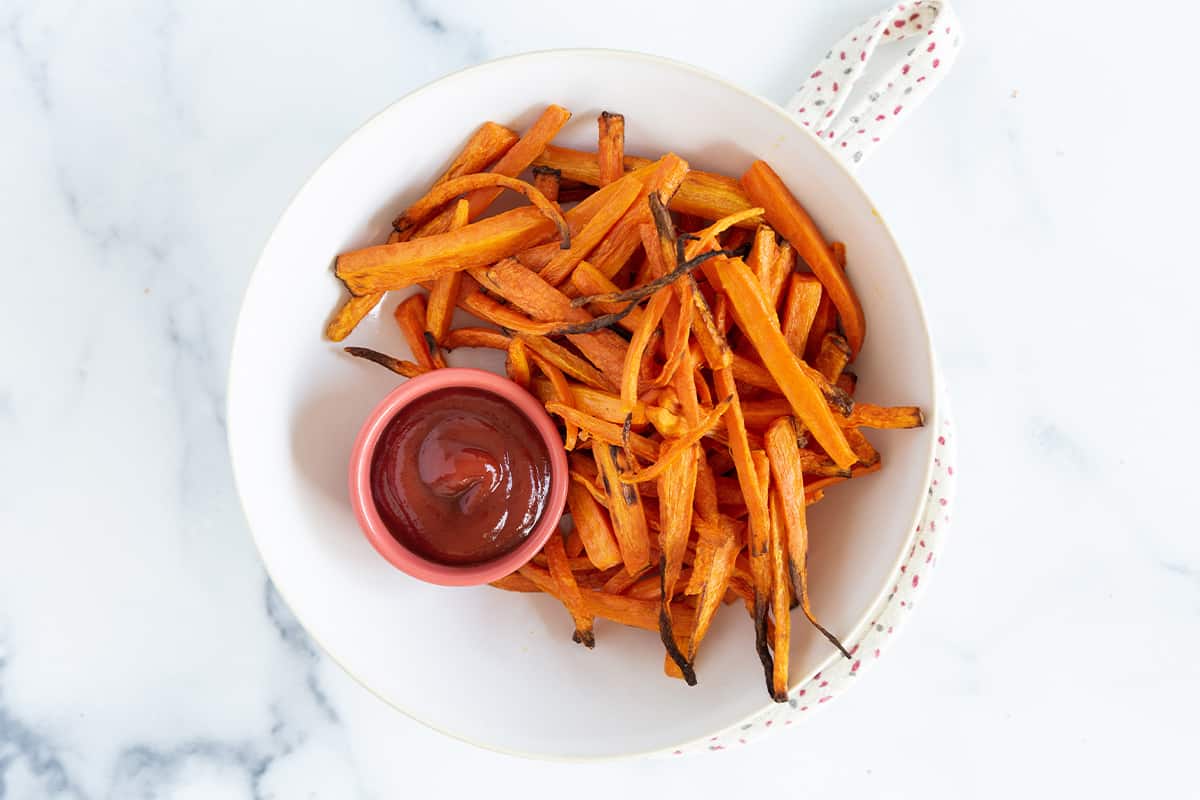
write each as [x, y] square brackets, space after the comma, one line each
[639, 293]
[794, 575]
[760, 641]
[666, 629]
[542, 170]
[431, 344]
[597, 324]
[585, 638]
[626, 429]
[382, 359]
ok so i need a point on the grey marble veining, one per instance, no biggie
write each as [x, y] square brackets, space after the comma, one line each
[1043, 198]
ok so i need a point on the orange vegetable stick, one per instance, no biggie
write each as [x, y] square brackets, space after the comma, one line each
[755, 320]
[528, 292]
[611, 152]
[395, 266]
[780, 600]
[562, 389]
[676, 488]
[784, 458]
[702, 194]
[678, 447]
[617, 248]
[567, 361]
[564, 262]
[444, 295]
[782, 268]
[569, 593]
[606, 432]
[594, 527]
[625, 507]
[521, 155]
[762, 255]
[443, 193]
[832, 357]
[548, 181]
[410, 316]
[787, 216]
[517, 363]
[800, 310]
[600, 404]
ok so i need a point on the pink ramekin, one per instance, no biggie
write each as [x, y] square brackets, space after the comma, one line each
[363, 502]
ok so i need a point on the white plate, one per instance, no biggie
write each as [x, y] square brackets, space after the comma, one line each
[494, 668]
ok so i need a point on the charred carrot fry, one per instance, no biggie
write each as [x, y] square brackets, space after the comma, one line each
[587, 280]
[847, 382]
[521, 155]
[679, 447]
[617, 248]
[780, 600]
[676, 485]
[410, 316]
[569, 593]
[594, 527]
[784, 459]
[548, 181]
[517, 363]
[443, 193]
[406, 369]
[625, 507]
[787, 216]
[568, 362]
[832, 357]
[607, 432]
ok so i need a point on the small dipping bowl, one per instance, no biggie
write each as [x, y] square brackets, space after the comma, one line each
[363, 501]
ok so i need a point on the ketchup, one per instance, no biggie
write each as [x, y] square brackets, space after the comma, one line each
[460, 476]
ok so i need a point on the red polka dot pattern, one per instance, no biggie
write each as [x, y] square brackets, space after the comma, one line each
[852, 131]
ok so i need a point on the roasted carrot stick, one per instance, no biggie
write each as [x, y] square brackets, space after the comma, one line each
[548, 181]
[611, 152]
[594, 527]
[787, 216]
[444, 295]
[799, 310]
[564, 262]
[410, 316]
[756, 321]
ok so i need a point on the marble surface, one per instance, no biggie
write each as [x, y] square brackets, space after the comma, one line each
[1043, 195]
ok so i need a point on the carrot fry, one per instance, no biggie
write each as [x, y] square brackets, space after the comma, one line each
[611, 152]
[755, 320]
[782, 267]
[676, 489]
[517, 363]
[780, 600]
[800, 310]
[521, 155]
[561, 388]
[444, 295]
[759, 548]
[788, 217]
[476, 337]
[548, 181]
[410, 316]
[406, 369]
[715, 583]
[832, 357]
[867, 455]
[443, 193]
[487, 144]
[395, 266]
[573, 544]
[569, 593]
[598, 403]
[606, 432]
[761, 258]
[637, 348]
[815, 486]
[564, 262]
[567, 361]
[869, 415]
[679, 447]
[785, 464]
[702, 194]
[625, 506]
[594, 527]
[617, 248]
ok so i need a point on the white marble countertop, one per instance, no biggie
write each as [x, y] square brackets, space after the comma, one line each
[1042, 195]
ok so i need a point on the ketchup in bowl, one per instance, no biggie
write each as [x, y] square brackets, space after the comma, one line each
[460, 476]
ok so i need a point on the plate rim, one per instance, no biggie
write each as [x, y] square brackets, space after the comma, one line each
[241, 325]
